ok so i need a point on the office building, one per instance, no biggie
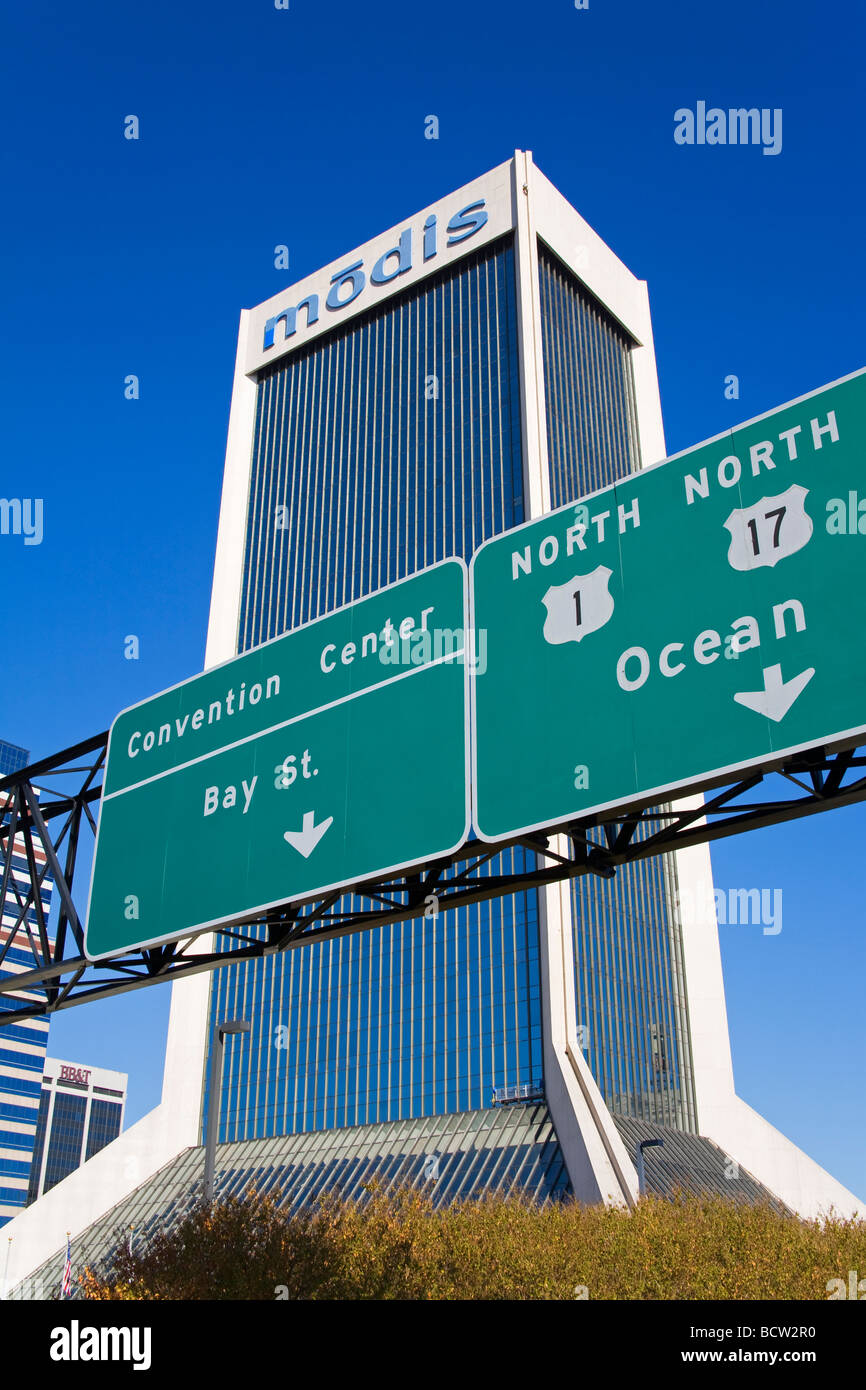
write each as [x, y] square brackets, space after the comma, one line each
[22, 1045]
[80, 1111]
[12, 758]
[388, 426]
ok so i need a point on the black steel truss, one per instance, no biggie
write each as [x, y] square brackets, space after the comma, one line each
[44, 823]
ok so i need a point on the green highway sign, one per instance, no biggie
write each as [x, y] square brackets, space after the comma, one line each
[700, 617]
[334, 753]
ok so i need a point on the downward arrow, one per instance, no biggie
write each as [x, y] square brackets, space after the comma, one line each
[305, 841]
[778, 696]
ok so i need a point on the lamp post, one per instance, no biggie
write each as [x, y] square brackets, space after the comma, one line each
[238, 1025]
[641, 1174]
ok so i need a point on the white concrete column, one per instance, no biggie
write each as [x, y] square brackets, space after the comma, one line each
[186, 1046]
[598, 1166]
[596, 1158]
[536, 485]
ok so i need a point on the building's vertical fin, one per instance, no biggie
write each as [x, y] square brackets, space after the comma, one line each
[222, 633]
[536, 486]
[187, 1043]
[598, 1167]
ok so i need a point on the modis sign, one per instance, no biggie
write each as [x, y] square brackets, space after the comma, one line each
[397, 258]
[351, 280]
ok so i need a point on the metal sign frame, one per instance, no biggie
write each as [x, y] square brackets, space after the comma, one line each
[826, 775]
[63, 977]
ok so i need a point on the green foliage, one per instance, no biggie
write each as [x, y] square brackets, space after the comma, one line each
[397, 1246]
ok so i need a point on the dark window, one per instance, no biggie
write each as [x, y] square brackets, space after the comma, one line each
[104, 1125]
[67, 1132]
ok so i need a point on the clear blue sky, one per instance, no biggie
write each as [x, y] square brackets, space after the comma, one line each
[306, 127]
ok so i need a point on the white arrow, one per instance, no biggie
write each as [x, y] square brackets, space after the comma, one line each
[778, 696]
[305, 841]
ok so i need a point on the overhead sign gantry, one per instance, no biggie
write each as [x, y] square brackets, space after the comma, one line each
[694, 627]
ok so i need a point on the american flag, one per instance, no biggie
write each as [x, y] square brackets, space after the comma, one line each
[67, 1272]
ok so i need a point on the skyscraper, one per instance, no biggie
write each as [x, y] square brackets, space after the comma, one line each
[22, 1045]
[394, 417]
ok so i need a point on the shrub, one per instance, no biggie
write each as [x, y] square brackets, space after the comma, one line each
[396, 1245]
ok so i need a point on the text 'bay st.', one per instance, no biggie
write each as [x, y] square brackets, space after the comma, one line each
[300, 766]
[698, 617]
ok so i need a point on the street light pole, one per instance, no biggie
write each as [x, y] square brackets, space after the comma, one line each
[237, 1025]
